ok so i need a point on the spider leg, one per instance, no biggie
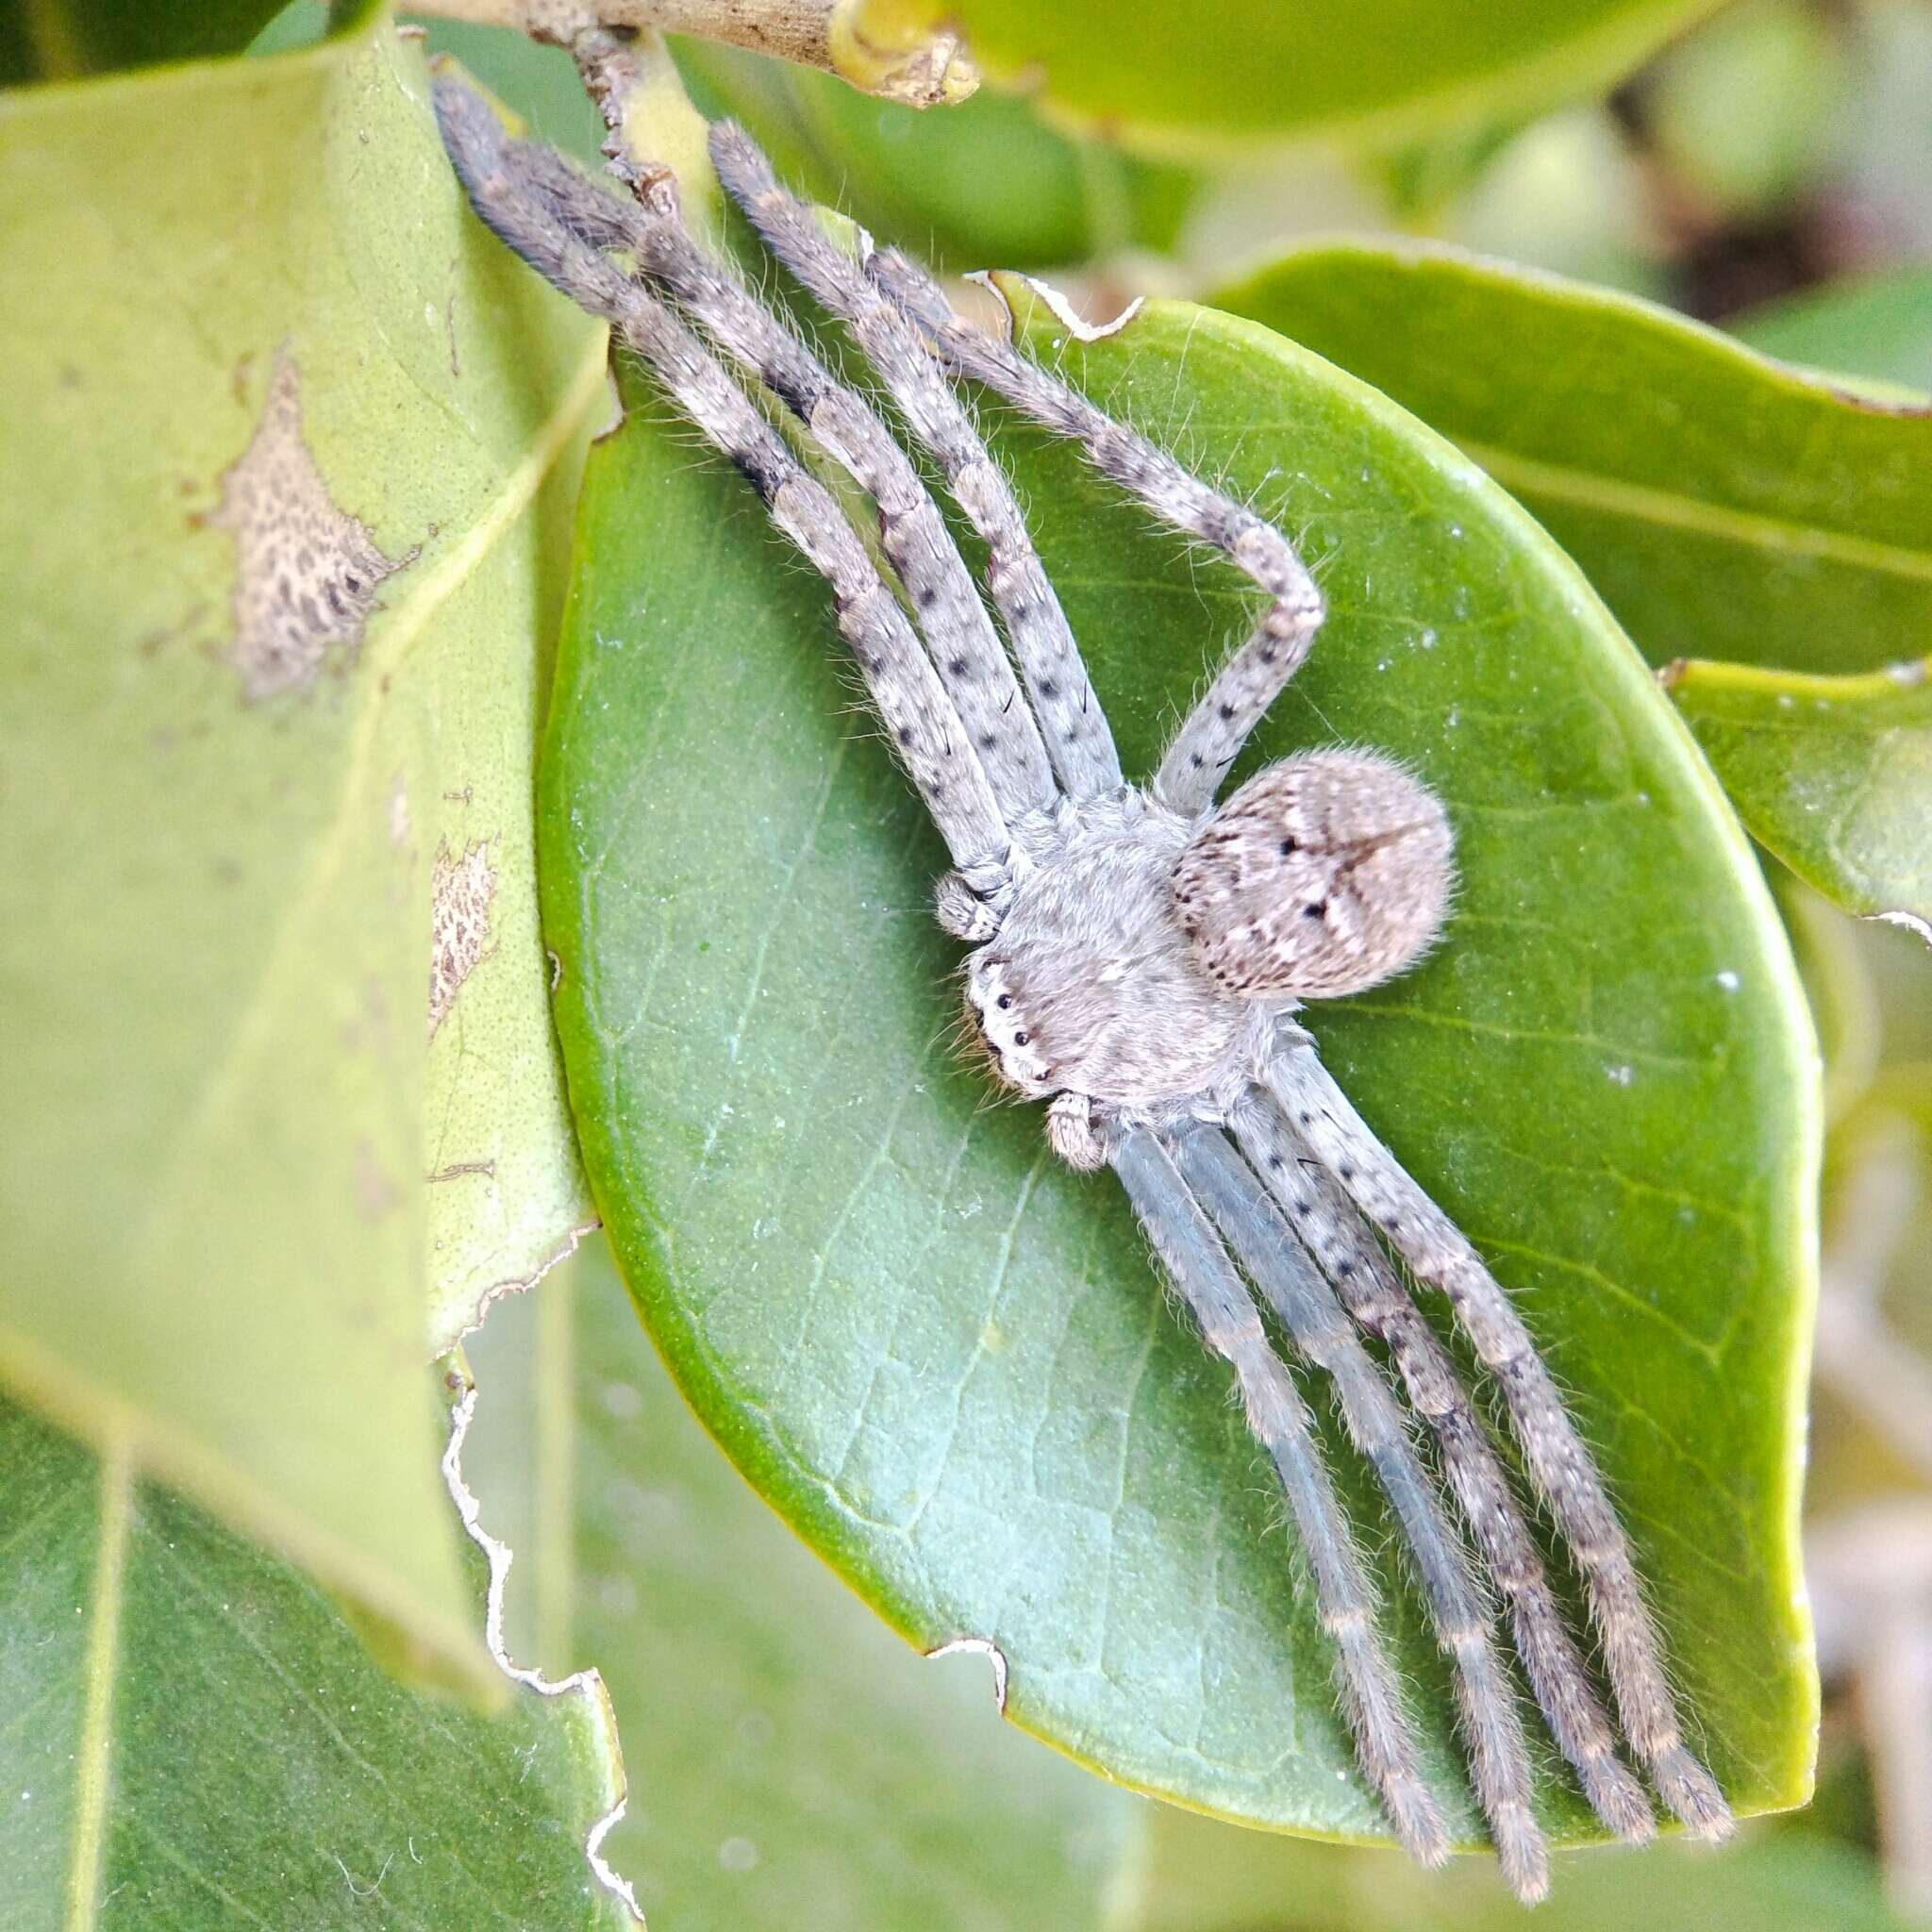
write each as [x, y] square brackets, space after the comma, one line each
[1332, 1230]
[1561, 1466]
[1076, 730]
[1280, 1267]
[1198, 1266]
[905, 690]
[966, 650]
[1214, 731]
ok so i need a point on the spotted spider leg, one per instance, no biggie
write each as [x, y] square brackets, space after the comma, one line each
[1211, 735]
[1076, 729]
[1333, 1231]
[1196, 1263]
[1275, 1261]
[967, 653]
[1559, 1463]
[904, 688]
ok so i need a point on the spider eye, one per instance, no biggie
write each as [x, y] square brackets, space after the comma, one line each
[1020, 1039]
[1289, 848]
[1004, 1000]
[1313, 909]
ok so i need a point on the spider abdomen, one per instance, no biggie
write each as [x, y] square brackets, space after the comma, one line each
[1324, 874]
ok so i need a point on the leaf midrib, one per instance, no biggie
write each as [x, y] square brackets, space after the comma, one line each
[94, 1751]
[1641, 502]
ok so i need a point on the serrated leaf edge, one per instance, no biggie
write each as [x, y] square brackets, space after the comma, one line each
[586, 1684]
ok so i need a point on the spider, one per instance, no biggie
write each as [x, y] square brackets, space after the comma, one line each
[1139, 952]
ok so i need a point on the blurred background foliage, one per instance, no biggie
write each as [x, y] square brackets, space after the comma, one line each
[1767, 172]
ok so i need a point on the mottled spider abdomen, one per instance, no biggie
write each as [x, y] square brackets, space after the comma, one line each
[1324, 874]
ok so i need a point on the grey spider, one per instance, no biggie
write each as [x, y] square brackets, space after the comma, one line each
[1139, 954]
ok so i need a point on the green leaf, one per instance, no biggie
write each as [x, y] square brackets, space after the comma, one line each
[1878, 326]
[1184, 79]
[1834, 774]
[507, 1194]
[537, 80]
[197, 1738]
[1202, 1877]
[60, 39]
[781, 1745]
[943, 1359]
[985, 181]
[1722, 506]
[224, 814]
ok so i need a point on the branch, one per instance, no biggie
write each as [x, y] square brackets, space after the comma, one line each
[918, 65]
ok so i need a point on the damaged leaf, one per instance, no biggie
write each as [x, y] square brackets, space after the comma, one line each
[196, 1737]
[782, 1747]
[945, 1358]
[278, 636]
[307, 572]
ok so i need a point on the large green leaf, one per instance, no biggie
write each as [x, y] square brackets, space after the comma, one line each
[196, 1738]
[945, 1358]
[781, 1745]
[1724, 506]
[1176, 78]
[1834, 774]
[257, 355]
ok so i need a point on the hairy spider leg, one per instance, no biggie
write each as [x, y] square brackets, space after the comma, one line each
[966, 651]
[1266, 1248]
[1562, 1468]
[1078, 738]
[1371, 1696]
[905, 690]
[1333, 1231]
[1213, 732]
[559, 223]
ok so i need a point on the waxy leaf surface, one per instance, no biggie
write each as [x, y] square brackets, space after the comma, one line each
[945, 1359]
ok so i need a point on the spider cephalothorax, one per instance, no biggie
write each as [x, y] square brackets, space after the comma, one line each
[1133, 963]
[1138, 955]
[1089, 984]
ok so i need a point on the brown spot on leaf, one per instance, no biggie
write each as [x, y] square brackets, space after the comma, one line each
[460, 890]
[457, 1169]
[306, 571]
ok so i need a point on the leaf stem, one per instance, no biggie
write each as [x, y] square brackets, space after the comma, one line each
[919, 65]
